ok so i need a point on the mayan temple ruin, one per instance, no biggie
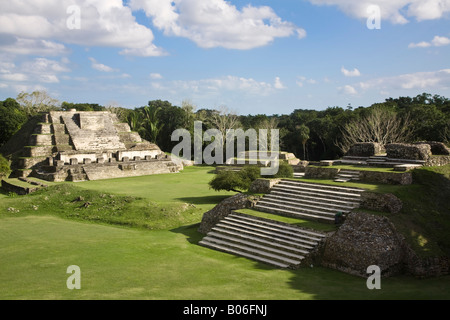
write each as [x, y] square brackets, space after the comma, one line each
[79, 146]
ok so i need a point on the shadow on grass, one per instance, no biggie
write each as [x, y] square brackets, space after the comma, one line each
[204, 200]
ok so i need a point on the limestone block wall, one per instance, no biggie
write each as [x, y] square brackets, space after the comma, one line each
[122, 170]
[408, 151]
[38, 151]
[437, 161]
[141, 154]
[403, 178]
[41, 140]
[263, 185]
[365, 149]
[81, 157]
[43, 128]
[320, 172]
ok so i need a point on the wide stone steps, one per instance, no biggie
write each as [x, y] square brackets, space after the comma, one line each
[299, 196]
[346, 176]
[275, 243]
[309, 201]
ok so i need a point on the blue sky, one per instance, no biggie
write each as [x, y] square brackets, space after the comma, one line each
[253, 56]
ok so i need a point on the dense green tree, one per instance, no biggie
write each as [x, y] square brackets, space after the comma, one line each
[12, 117]
[82, 106]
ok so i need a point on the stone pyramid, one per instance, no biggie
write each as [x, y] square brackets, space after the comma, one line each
[89, 145]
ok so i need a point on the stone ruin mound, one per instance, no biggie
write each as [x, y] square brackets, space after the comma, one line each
[79, 146]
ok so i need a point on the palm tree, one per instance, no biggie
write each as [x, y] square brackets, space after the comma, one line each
[151, 123]
[304, 137]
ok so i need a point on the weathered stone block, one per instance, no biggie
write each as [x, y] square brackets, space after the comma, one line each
[73, 161]
[403, 178]
[365, 240]
[385, 202]
[408, 151]
[437, 148]
[365, 149]
[263, 185]
[320, 172]
[223, 209]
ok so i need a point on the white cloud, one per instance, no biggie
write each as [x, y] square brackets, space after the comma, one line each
[354, 73]
[106, 23]
[440, 41]
[14, 77]
[100, 67]
[155, 76]
[422, 44]
[348, 89]
[39, 70]
[397, 11]
[437, 41]
[301, 81]
[217, 23]
[19, 46]
[278, 84]
[430, 80]
[216, 86]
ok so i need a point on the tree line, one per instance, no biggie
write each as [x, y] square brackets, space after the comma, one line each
[309, 134]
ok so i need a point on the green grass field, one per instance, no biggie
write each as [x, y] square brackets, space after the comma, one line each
[120, 263]
[136, 238]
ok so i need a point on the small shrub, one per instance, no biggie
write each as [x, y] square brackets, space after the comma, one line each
[5, 169]
[285, 170]
[237, 181]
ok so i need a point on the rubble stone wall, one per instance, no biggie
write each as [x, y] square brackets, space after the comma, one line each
[408, 151]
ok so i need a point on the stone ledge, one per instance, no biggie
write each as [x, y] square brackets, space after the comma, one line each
[263, 185]
[223, 209]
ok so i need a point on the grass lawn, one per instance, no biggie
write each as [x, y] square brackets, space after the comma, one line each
[124, 263]
[136, 238]
[188, 186]
[152, 202]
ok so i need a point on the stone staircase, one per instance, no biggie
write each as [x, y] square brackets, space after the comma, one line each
[383, 161]
[380, 161]
[278, 244]
[77, 174]
[312, 201]
[347, 175]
